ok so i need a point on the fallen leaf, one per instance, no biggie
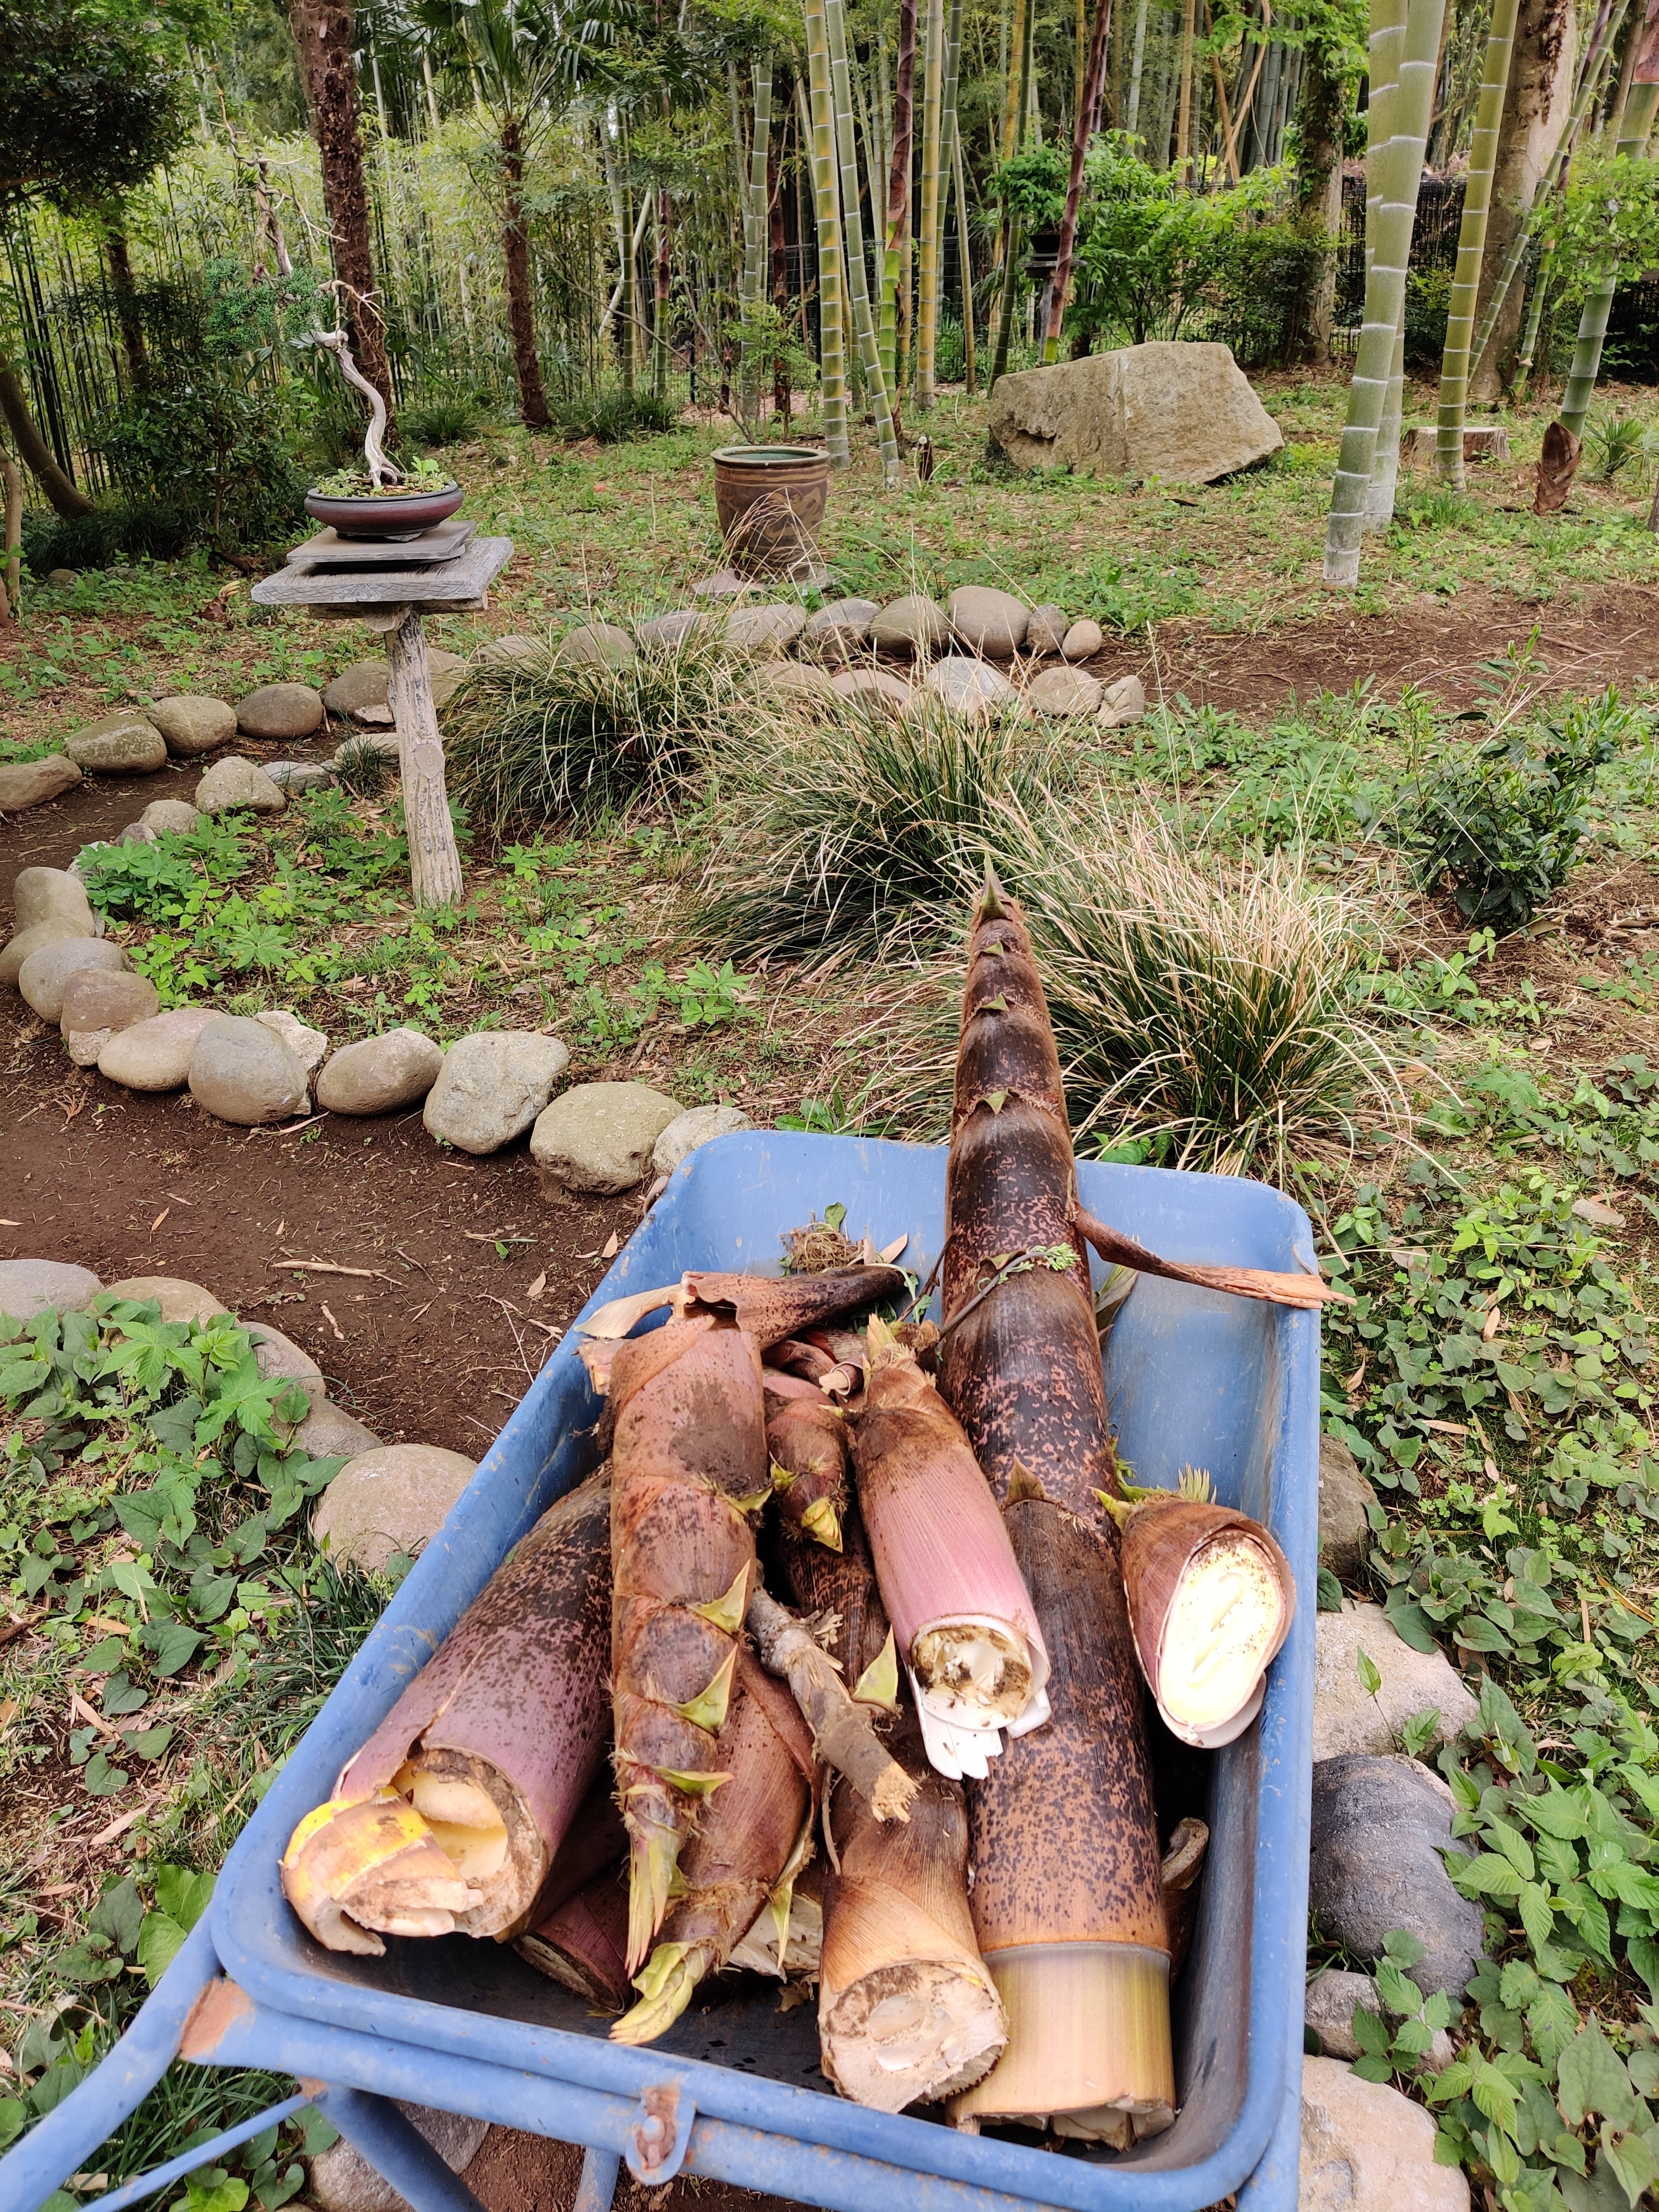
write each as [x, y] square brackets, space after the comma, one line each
[1415, 1257]
[1494, 1321]
[612, 1246]
[1598, 1213]
[537, 1287]
[10, 1224]
[890, 1252]
[339, 1333]
[278, 1230]
[1446, 1428]
[9, 1712]
[159, 1220]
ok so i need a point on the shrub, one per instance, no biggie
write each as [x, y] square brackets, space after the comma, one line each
[439, 417]
[1615, 440]
[1503, 819]
[126, 530]
[868, 825]
[611, 413]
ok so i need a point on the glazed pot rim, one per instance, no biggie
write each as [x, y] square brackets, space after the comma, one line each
[374, 501]
[761, 455]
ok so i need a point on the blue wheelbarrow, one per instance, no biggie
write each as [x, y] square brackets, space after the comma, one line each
[733, 2092]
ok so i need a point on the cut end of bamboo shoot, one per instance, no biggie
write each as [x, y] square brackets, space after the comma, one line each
[1088, 2027]
[355, 1872]
[973, 1674]
[911, 2033]
[1224, 1623]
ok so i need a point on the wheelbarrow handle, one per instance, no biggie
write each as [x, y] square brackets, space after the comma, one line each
[63, 2142]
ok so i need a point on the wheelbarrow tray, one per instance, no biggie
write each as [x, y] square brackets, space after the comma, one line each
[1193, 1378]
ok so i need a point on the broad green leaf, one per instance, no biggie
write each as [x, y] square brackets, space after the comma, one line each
[171, 1644]
[1630, 2160]
[13, 2115]
[1644, 1955]
[1592, 2078]
[100, 1779]
[160, 1940]
[118, 1914]
[1552, 2021]
[1369, 2068]
[1405, 1949]
[93, 1958]
[1518, 1983]
[1629, 1884]
[1493, 2094]
[1557, 1814]
[1514, 1846]
[183, 1895]
[1536, 1916]
[1329, 1592]
[1370, 1680]
[1371, 2033]
[1486, 1875]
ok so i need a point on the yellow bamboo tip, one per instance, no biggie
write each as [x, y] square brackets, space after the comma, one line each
[1088, 2027]
[823, 1523]
[651, 1866]
[665, 1988]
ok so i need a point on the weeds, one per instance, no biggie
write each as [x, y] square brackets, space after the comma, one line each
[611, 414]
[1615, 442]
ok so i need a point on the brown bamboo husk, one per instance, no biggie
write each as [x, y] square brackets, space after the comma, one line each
[1066, 1903]
[489, 1751]
[689, 1467]
[1305, 1291]
[752, 1834]
[807, 1438]
[1207, 1674]
[769, 1308]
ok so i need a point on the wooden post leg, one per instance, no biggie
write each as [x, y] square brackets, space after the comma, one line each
[434, 863]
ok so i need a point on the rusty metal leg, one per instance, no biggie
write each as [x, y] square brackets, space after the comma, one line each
[599, 2183]
[397, 2151]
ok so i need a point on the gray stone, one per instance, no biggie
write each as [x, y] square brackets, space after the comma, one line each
[63, 580]
[299, 776]
[44, 977]
[123, 743]
[362, 684]
[914, 624]
[1331, 2000]
[596, 645]
[280, 710]
[24, 784]
[193, 724]
[390, 1500]
[1366, 2148]
[136, 833]
[1345, 1529]
[59, 930]
[308, 1046]
[841, 629]
[874, 687]
[491, 1087]
[50, 895]
[1176, 410]
[1122, 703]
[515, 651]
[1379, 1826]
[1045, 631]
[970, 687]
[235, 782]
[245, 1073]
[171, 817]
[380, 1074]
[155, 1055]
[275, 1354]
[99, 1002]
[988, 621]
[1083, 641]
[328, 1431]
[1064, 691]
[178, 1299]
[365, 746]
[771, 629]
[29, 1286]
[600, 1136]
[343, 2180]
[799, 682]
[667, 633]
[1346, 1718]
[688, 1131]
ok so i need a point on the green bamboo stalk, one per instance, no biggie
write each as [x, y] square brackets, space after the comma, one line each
[927, 228]
[826, 201]
[1523, 358]
[756, 236]
[858, 283]
[898, 199]
[1137, 64]
[1012, 228]
[949, 138]
[1385, 455]
[1635, 130]
[965, 248]
[1391, 203]
[1456, 363]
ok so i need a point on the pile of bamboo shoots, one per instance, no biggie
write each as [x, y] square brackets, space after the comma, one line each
[863, 1619]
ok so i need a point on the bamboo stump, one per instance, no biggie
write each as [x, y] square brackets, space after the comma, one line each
[433, 860]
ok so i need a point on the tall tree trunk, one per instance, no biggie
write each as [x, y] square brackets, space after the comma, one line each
[864, 322]
[127, 317]
[1012, 228]
[660, 334]
[899, 199]
[521, 302]
[1536, 104]
[1318, 215]
[324, 36]
[965, 250]
[1088, 121]
[1471, 243]
[11, 565]
[60, 488]
[1401, 97]
[1137, 67]
[1013, 111]
[1639, 84]
[826, 199]
[1184, 109]
[927, 228]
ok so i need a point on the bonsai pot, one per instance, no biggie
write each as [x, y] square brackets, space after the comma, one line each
[771, 501]
[397, 516]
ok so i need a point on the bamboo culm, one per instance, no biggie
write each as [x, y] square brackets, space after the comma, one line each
[898, 198]
[1414, 104]
[965, 250]
[1012, 228]
[826, 201]
[1635, 130]
[927, 230]
[756, 236]
[1088, 119]
[1456, 361]
[858, 284]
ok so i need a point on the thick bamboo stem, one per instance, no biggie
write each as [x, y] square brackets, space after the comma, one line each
[858, 281]
[434, 859]
[1635, 130]
[898, 199]
[928, 226]
[1456, 361]
[756, 239]
[964, 247]
[826, 201]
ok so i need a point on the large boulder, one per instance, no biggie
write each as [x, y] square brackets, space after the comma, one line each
[841, 629]
[233, 783]
[29, 1286]
[380, 1074]
[124, 743]
[600, 1136]
[988, 621]
[57, 930]
[596, 645]
[390, 1499]
[171, 817]
[245, 1073]
[32, 783]
[280, 710]
[178, 1299]
[277, 1356]
[1066, 691]
[1380, 1827]
[914, 624]
[328, 1431]
[99, 1001]
[491, 1087]
[49, 894]
[873, 687]
[307, 1045]
[156, 1055]
[1172, 409]
[362, 684]
[1347, 1717]
[688, 1132]
[192, 724]
[44, 977]
[1365, 2148]
[969, 687]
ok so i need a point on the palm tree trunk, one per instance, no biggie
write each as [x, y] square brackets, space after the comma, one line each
[1635, 128]
[899, 199]
[857, 278]
[927, 230]
[826, 199]
[1472, 244]
[520, 304]
[1088, 121]
[324, 37]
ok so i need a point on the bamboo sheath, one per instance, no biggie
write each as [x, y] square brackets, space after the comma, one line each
[928, 227]
[1635, 130]
[858, 283]
[1457, 361]
[826, 201]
